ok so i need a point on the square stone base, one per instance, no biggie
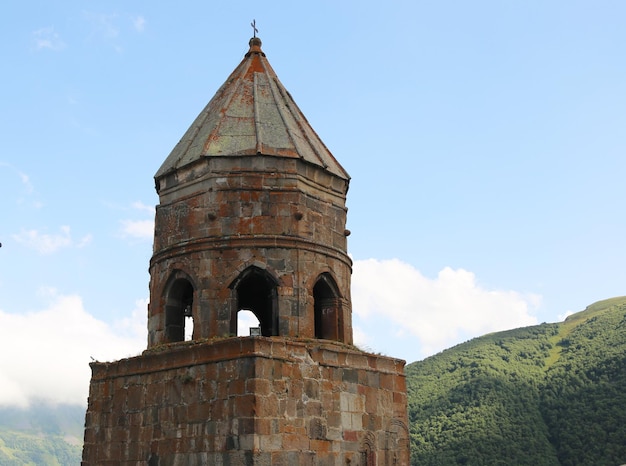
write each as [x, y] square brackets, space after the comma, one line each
[248, 401]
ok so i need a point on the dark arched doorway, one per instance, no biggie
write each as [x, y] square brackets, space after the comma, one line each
[178, 310]
[327, 309]
[256, 291]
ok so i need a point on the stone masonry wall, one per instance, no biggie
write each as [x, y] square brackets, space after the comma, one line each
[248, 401]
[221, 215]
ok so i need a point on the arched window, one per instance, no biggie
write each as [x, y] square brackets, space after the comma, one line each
[178, 311]
[327, 309]
[368, 455]
[256, 292]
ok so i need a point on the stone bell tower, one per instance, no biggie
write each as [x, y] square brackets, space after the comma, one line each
[251, 217]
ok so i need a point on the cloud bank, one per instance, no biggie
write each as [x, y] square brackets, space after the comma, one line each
[46, 353]
[421, 316]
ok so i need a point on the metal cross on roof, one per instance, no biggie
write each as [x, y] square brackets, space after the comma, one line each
[254, 29]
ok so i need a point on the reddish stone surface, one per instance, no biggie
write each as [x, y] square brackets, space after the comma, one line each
[212, 224]
[290, 406]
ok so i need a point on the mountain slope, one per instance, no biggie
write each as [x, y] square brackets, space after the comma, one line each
[551, 394]
[41, 435]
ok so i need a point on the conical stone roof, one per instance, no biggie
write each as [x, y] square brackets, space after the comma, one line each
[251, 114]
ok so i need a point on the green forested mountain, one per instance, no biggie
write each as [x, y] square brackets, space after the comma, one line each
[41, 435]
[551, 394]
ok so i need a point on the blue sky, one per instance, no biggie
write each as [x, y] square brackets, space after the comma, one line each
[485, 141]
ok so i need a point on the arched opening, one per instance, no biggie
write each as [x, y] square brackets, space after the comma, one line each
[256, 292]
[178, 311]
[368, 455]
[327, 309]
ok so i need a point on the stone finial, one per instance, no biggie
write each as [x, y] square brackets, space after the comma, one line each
[255, 46]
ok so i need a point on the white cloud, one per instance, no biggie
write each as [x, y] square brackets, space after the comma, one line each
[47, 39]
[104, 24]
[361, 339]
[110, 28]
[245, 320]
[139, 229]
[138, 205]
[45, 354]
[25, 194]
[47, 244]
[139, 23]
[401, 310]
[84, 241]
[565, 315]
[104, 29]
[136, 323]
[26, 182]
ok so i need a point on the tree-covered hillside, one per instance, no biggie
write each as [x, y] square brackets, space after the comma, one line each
[41, 435]
[551, 394]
